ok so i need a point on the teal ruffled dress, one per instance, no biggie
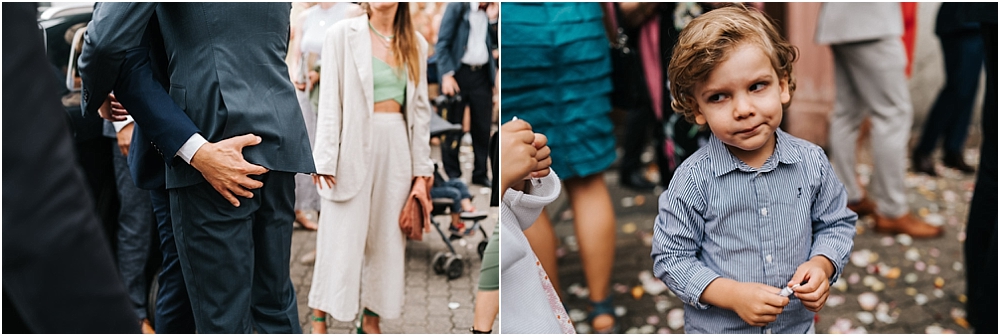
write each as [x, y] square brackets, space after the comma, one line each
[556, 75]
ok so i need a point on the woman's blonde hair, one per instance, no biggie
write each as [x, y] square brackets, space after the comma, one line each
[707, 41]
[404, 48]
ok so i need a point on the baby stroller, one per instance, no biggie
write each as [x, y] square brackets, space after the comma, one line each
[450, 262]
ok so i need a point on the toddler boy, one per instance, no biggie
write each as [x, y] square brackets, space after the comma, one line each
[754, 210]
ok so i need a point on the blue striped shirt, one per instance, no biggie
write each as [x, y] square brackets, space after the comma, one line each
[723, 218]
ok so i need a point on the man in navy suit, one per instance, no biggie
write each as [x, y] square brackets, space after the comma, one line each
[467, 68]
[142, 81]
[231, 218]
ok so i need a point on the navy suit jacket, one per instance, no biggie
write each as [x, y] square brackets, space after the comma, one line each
[453, 40]
[226, 72]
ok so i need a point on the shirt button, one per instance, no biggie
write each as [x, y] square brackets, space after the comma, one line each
[768, 258]
[763, 211]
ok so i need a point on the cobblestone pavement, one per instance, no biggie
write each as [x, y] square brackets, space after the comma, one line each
[433, 304]
[893, 284]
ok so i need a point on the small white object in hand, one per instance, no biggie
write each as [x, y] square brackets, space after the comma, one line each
[788, 290]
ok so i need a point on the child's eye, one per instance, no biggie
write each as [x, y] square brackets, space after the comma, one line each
[757, 86]
[716, 98]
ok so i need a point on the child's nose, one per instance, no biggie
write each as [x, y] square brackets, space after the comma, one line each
[743, 107]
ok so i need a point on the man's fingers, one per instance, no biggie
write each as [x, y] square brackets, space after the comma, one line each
[242, 141]
[228, 196]
[248, 183]
[252, 169]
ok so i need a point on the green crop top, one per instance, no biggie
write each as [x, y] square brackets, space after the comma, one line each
[388, 83]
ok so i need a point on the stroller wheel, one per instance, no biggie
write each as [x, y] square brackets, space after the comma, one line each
[482, 249]
[438, 262]
[454, 266]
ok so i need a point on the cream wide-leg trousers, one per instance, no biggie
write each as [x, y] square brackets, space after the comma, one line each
[359, 246]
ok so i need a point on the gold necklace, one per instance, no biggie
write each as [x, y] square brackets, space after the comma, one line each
[386, 38]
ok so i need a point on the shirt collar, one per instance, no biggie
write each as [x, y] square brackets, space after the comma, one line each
[723, 161]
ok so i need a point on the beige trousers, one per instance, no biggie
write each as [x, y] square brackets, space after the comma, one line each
[359, 247]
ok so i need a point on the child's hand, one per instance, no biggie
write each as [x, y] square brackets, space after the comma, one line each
[541, 156]
[518, 153]
[758, 304]
[816, 275]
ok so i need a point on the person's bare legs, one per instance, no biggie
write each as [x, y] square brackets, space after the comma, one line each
[594, 223]
[369, 324]
[318, 321]
[486, 310]
[302, 218]
[543, 241]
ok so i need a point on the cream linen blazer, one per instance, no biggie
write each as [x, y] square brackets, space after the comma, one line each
[346, 105]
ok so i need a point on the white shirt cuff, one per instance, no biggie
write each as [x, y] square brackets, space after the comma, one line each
[121, 124]
[190, 147]
[449, 73]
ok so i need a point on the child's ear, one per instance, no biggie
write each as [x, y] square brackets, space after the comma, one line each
[786, 95]
[699, 118]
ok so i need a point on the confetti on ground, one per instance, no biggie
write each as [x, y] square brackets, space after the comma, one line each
[620, 311]
[453, 305]
[868, 300]
[628, 228]
[577, 315]
[627, 202]
[904, 239]
[835, 300]
[662, 306]
[675, 318]
[639, 200]
[865, 317]
[653, 319]
[920, 299]
[637, 292]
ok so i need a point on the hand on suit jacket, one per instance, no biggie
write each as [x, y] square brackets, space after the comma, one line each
[223, 166]
[112, 110]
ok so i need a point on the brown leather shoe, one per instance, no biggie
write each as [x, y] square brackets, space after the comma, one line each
[907, 224]
[864, 207]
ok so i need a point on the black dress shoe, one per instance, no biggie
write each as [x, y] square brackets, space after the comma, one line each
[922, 163]
[955, 160]
[636, 181]
[483, 181]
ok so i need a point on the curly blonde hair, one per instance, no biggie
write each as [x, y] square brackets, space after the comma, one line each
[708, 40]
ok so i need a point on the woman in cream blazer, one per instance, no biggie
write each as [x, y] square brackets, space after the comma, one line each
[366, 160]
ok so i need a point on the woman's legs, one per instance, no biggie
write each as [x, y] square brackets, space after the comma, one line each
[318, 321]
[594, 224]
[543, 241]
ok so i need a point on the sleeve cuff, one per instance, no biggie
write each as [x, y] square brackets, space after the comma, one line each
[449, 73]
[121, 124]
[191, 147]
[696, 286]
